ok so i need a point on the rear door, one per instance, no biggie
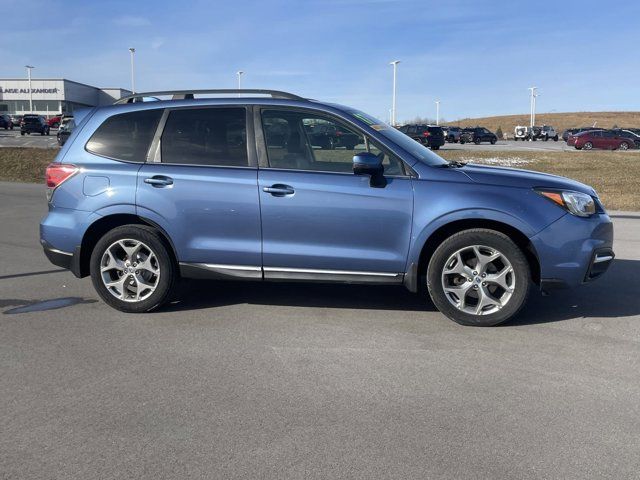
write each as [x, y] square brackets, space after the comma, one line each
[321, 221]
[201, 187]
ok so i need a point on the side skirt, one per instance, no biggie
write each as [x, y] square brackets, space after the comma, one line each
[246, 272]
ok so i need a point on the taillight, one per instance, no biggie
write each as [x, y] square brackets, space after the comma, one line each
[56, 174]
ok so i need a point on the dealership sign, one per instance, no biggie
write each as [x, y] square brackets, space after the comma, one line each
[26, 90]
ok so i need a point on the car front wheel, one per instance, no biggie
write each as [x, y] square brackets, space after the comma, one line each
[131, 269]
[478, 277]
[624, 146]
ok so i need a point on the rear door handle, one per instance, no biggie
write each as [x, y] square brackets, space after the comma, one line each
[159, 181]
[279, 190]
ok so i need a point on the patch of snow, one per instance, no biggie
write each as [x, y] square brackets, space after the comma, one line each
[503, 162]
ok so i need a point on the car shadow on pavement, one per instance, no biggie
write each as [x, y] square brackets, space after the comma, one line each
[615, 294]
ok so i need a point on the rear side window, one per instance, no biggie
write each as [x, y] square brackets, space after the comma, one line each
[126, 136]
[206, 136]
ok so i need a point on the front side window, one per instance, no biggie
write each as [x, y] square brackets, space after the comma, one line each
[302, 141]
[206, 136]
[126, 136]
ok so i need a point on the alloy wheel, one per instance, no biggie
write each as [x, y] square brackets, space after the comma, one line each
[130, 270]
[478, 280]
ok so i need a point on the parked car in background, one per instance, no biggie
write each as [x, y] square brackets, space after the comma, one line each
[328, 136]
[602, 139]
[452, 134]
[66, 127]
[523, 133]
[478, 135]
[16, 120]
[430, 135]
[34, 124]
[148, 193]
[548, 132]
[5, 122]
[54, 122]
[574, 131]
[630, 134]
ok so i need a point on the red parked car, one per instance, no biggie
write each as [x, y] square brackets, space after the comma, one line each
[54, 122]
[603, 139]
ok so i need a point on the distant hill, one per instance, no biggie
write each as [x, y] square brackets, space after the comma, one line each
[560, 121]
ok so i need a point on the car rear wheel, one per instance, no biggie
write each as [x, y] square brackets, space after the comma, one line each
[477, 141]
[131, 269]
[493, 141]
[588, 146]
[555, 139]
[624, 146]
[478, 277]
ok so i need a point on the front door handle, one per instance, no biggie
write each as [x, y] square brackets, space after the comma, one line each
[159, 181]
[279, 190]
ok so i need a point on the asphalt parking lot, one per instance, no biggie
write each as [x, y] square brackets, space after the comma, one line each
[12, 138]
[250, 380]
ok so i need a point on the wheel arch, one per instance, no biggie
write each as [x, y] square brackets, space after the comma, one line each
[418, 270]
[104, 224]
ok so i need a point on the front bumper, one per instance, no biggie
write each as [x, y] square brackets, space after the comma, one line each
[574, 250]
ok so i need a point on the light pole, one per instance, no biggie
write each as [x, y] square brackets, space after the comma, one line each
[393, 103]
[437, 112]
[133, 80]
[239, 73]
[532, 107]
[29, 67]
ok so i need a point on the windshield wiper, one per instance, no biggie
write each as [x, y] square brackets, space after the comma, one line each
[452, 164]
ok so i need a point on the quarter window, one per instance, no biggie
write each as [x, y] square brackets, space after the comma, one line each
[126, 136]
[301, 141]
[206, 136]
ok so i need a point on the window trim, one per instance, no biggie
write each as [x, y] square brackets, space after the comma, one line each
[261, 145]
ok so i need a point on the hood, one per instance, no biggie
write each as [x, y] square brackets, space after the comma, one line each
[511, 177]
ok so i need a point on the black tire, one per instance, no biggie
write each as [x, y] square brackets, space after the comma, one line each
[493, 141]
[477, 141]
[22, 133]
[491, 239]
[588, 146]
[624, 146]
[435, 148]
[555, 139]
[168, 271]
[546, 139]
[462, 142]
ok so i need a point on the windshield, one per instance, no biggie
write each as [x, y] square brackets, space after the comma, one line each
[405, 142]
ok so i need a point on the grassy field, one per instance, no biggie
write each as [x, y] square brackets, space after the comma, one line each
[615, 175]
[561, 121]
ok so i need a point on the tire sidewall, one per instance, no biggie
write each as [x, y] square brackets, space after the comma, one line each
[152, 239]
[489, 238]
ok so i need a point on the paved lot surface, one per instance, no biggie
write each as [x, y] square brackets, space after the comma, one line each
[12, 138]
[254, 380]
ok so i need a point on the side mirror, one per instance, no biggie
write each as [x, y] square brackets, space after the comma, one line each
[366, 163]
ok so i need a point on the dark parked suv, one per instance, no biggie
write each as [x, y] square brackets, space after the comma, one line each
[478, 135]
[431, 136]
[146, 193]
[34, 124]
[5, 122]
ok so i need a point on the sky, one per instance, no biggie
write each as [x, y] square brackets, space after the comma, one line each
[477, 58]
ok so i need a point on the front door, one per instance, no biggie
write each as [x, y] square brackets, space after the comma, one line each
[202, 189]
[319, 220]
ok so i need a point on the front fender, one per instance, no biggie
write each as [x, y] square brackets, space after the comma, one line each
[419, 239]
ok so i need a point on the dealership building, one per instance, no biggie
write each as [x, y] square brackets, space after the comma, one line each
[50, 96]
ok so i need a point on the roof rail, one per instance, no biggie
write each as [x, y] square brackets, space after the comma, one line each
[189, 94]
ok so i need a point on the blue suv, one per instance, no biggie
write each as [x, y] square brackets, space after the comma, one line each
[236, 184]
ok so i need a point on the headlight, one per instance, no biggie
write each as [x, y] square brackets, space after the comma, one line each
[576, 203]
